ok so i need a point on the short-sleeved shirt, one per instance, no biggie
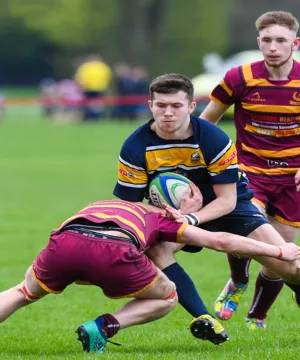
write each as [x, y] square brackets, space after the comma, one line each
[208, 157]
[267, 119]
[148, 227]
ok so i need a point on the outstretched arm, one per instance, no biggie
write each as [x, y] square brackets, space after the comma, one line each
[230, 243]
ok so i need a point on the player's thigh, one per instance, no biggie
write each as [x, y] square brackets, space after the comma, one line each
[288, 232]
[32, 284]
[268, 234]
[163, 254]
[162, 288]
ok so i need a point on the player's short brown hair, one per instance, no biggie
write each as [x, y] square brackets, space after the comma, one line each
[281, 18]
[171, 84]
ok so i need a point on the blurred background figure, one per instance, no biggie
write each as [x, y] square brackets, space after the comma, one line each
[131, 90]
[70, 101]
[94, 77]
[48, 97]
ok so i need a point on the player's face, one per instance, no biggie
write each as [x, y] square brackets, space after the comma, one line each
[277, 44]
[171, 112]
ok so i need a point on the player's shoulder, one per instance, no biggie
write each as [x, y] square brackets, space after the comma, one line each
[139, 138]
[205, 129]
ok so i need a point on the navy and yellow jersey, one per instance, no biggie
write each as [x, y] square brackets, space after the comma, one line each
[208, 157]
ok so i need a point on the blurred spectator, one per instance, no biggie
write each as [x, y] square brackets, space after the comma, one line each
[70, 100]
[142, 83]
[131, 88]
[48, 97]
[94, 77]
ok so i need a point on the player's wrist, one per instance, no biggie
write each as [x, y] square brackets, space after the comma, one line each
[192, 219]
[281, 252]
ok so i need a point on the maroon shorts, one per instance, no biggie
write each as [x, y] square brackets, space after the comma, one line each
[280, 199]
[117, 267]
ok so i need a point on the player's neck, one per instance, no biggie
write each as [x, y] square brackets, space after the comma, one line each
[280, 73]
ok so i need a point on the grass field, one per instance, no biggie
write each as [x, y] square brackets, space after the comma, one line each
[48, 172]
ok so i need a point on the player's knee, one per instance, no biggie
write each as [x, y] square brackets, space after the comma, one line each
[28, 295]
[172, 298]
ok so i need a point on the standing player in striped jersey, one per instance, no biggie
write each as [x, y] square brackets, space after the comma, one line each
[266, 96]
[175, 140]
[103, 245]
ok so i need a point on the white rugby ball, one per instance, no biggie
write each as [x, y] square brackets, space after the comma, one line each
[168, 188]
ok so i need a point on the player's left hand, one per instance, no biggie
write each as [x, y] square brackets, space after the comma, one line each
[192, 200]
[174, 214]
[297, 180]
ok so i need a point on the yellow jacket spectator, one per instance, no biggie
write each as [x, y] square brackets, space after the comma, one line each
[94, 75]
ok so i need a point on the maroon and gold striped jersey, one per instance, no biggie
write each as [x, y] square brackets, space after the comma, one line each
[267, 118]
[148, 227]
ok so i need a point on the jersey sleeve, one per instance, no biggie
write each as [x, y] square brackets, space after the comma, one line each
[225, 92]
[132, 175]
[220, 156]
[170, 230]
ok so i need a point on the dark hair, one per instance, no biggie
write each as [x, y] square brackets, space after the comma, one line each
[281, 18]
[171, 84]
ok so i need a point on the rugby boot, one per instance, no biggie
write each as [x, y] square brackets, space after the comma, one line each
[255, 324]
[92, 337]
[228, 301]
[205, 327]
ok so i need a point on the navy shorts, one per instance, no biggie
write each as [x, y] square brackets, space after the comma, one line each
[244, 219]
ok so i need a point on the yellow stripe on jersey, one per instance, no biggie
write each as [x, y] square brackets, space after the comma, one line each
[247, 72]
[123, 221]
[130, 175]
[271, 108]
[265, 82]
[127, 208]
[272, 153]
[226, 88]
[180, 232]
[287, 222]
[272, 132]
[173, 156]
[273, 171]
[224, 161]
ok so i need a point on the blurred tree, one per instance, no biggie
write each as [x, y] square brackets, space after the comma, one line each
[244, 14]
[162, 35]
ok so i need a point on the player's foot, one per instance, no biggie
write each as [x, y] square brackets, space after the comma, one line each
[255, 324]
[296, 298]
[227, 302]
[205, 327]
[92, 338]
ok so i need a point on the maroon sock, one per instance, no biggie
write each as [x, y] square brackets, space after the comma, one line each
[239, 269]
[266, 292]
[110, 325]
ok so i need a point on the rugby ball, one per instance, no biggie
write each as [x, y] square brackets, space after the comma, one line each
[168, 188]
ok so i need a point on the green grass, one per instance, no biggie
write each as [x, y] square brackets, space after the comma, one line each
[48, 172]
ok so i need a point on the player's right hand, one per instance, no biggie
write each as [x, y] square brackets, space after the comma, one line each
[192, 200]
[290, 252]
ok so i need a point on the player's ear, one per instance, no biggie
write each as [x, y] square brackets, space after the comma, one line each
[150, 104]
[192, 107]
[296, 44]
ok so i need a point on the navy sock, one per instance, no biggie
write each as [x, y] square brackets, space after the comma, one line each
[187, 293]
[296, 289]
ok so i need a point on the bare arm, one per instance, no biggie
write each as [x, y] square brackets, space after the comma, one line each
[230, 243]
[297, 180]
[213, 112]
